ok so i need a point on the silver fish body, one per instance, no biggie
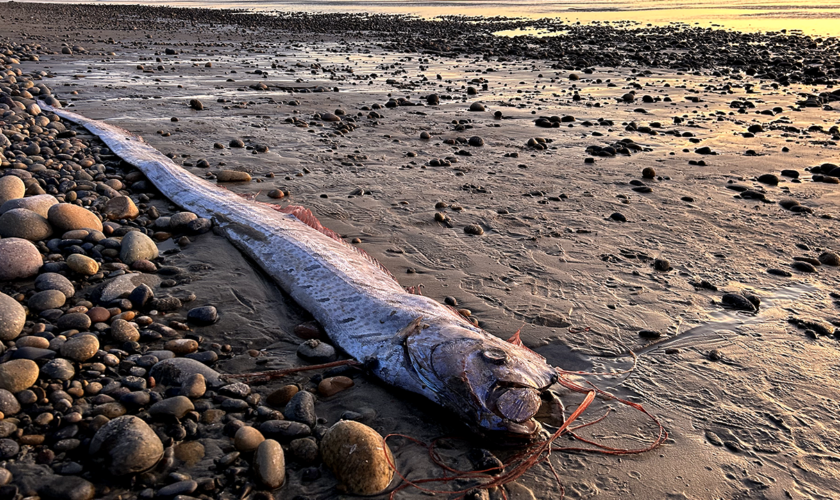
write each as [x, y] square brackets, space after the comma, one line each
[409, 341]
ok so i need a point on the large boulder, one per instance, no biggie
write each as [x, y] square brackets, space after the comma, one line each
[66, 217]
[19, 259]
[26, 224]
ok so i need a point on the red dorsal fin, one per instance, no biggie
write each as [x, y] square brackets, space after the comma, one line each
[305, 215]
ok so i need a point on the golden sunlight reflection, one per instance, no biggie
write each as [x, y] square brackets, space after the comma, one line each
[820, 17]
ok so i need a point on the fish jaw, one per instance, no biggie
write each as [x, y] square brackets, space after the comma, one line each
[491, 384]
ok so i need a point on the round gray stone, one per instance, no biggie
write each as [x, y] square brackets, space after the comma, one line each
[48, 299]
[55, 281]
[8, 448]
[301, 408]
[40, 204]
[74, 321]
[12, 317]
[80, 348]
[124, 331]
[179, 221]
[126, 445]
[19, 259]
[58, 369]
[137, 246]
[9, 404]
[177, 407]
[175, 371]
[67, 488]
[26, 224]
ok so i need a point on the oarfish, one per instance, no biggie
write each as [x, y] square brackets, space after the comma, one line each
[409, 341]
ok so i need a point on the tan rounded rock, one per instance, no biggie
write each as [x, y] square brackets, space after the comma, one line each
[66, 217]
[123, 331]
[357, 456]
[11, 188]
[120, 207]
[181, 346]
[333, 385]
[18, 374]
[33, 341]
[281, 396]
[82, 264]
[80, 348]
[247, 439]
[194, 386]
[232, 176]
[270, 464]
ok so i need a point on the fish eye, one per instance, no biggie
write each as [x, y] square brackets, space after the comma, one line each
[495, 356]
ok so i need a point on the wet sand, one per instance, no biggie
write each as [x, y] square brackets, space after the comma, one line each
[748, 398]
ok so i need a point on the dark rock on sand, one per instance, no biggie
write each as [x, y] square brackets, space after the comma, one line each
[779, 272]
[770, 179]
[126, 445]
[55, 281]
[176, 406]
[48, 299]
[284, 430]
[804, 267]
[175, 371]
[206, 315]
[829, 259]
[58, 369]
[315, 351]
[67, 488]
[301, 408]
[738, 302]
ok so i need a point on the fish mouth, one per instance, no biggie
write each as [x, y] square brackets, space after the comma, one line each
[514, 407]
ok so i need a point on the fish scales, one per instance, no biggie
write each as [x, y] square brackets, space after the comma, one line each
[409, 341]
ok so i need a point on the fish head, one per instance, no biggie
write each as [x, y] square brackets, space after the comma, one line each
[490, 383]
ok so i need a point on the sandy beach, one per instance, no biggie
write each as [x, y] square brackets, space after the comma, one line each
[603, 191]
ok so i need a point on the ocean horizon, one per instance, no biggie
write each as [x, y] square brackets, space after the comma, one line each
[811, 18]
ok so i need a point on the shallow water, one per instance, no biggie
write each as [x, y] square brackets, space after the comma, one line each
[816, 18]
